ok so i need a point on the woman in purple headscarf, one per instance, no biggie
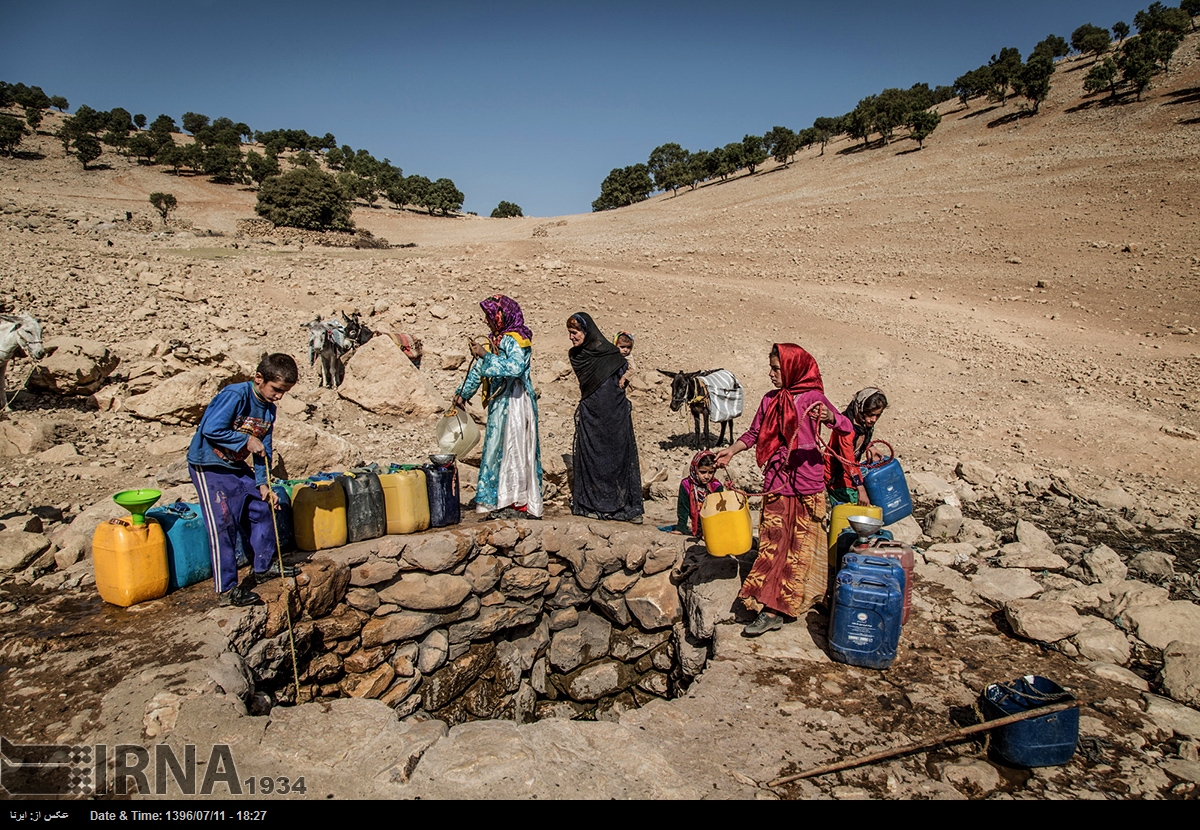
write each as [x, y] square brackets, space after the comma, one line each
[510, 473]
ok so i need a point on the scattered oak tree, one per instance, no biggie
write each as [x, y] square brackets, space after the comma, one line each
[1192, 7]
[1090, 39]
[11, 133]
[668, 165]
[1054, 46]
[754, 152]
[1004, 69]
[164, 203]
[782, 143]
[921, 125]
[1103, 75]
[1160, 18]
[506, 210]
[1033, 81]
[624, 186]
[305, 198]
[87, 148]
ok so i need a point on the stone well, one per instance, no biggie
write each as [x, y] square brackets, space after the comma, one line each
[505, 620]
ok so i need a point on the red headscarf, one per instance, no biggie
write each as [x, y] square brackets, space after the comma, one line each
[780, 425]
[696, 489]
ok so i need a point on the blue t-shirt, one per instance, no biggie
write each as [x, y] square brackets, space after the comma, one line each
[236, 413]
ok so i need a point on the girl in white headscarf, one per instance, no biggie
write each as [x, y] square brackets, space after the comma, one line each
[843, 479]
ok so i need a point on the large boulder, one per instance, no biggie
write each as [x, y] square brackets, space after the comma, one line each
[18, 549]
[943, 522]
[1046, 622]
[73, 367]
[1161, 625]
[21, 436]
[302, 449]
[1036, 539]
[184, 397]
[1181, 671]
[380, 378]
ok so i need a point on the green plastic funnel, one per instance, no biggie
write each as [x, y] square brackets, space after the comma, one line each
[137, 502]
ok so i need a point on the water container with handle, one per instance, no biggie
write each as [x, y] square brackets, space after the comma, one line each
[130, 560]
[456, 432]
[1046, 741]
[886, 486]
[441, 486]
[189, 555]
[864, 626]
[839, 521]
[365, 516]
[319, 513]
[406, 500]
[725, 521]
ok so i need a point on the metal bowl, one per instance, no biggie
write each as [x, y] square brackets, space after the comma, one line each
[442, 459]
[864, 526]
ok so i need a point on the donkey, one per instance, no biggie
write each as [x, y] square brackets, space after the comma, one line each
[687, 387]
[327, 339]
[357, 333]
[18, 333]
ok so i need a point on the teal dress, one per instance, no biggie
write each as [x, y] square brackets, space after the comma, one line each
[510, 473]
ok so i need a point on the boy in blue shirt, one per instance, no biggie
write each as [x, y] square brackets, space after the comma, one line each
[228, 460]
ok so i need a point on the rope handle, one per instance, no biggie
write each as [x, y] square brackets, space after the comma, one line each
[1029, 693]
[880, 462]
[731, 487]
[827, 450]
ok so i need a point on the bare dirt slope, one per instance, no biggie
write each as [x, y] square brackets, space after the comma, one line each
[1024, 289]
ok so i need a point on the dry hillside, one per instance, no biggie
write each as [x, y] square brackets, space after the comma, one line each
[1024, 289]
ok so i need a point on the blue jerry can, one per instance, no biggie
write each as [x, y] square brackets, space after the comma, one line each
[189, 555]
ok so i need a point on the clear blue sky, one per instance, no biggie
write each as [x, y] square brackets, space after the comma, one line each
[532, 102]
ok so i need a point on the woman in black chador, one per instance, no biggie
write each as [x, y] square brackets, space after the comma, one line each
[608, 480]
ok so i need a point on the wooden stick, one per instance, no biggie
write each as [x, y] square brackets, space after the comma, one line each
[952, 737]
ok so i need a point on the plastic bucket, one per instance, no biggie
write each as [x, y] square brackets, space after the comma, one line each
[1047, 741]
[456, 433]
[725, 521]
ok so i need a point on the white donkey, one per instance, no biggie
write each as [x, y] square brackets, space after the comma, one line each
[327, 340]
[18, 332]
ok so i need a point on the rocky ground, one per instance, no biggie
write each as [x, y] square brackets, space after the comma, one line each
[1025, 290]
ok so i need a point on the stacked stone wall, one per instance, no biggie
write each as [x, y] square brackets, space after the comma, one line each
[262, 229]
[511, 620]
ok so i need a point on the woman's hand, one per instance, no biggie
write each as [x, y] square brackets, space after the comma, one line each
[459, 403]
[477, 350]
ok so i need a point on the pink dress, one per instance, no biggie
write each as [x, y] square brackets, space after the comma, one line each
[790, 574]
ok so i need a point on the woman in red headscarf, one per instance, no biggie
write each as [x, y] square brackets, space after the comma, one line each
[790, 574]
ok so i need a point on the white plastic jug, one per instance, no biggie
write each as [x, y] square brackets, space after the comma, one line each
[457, 433]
